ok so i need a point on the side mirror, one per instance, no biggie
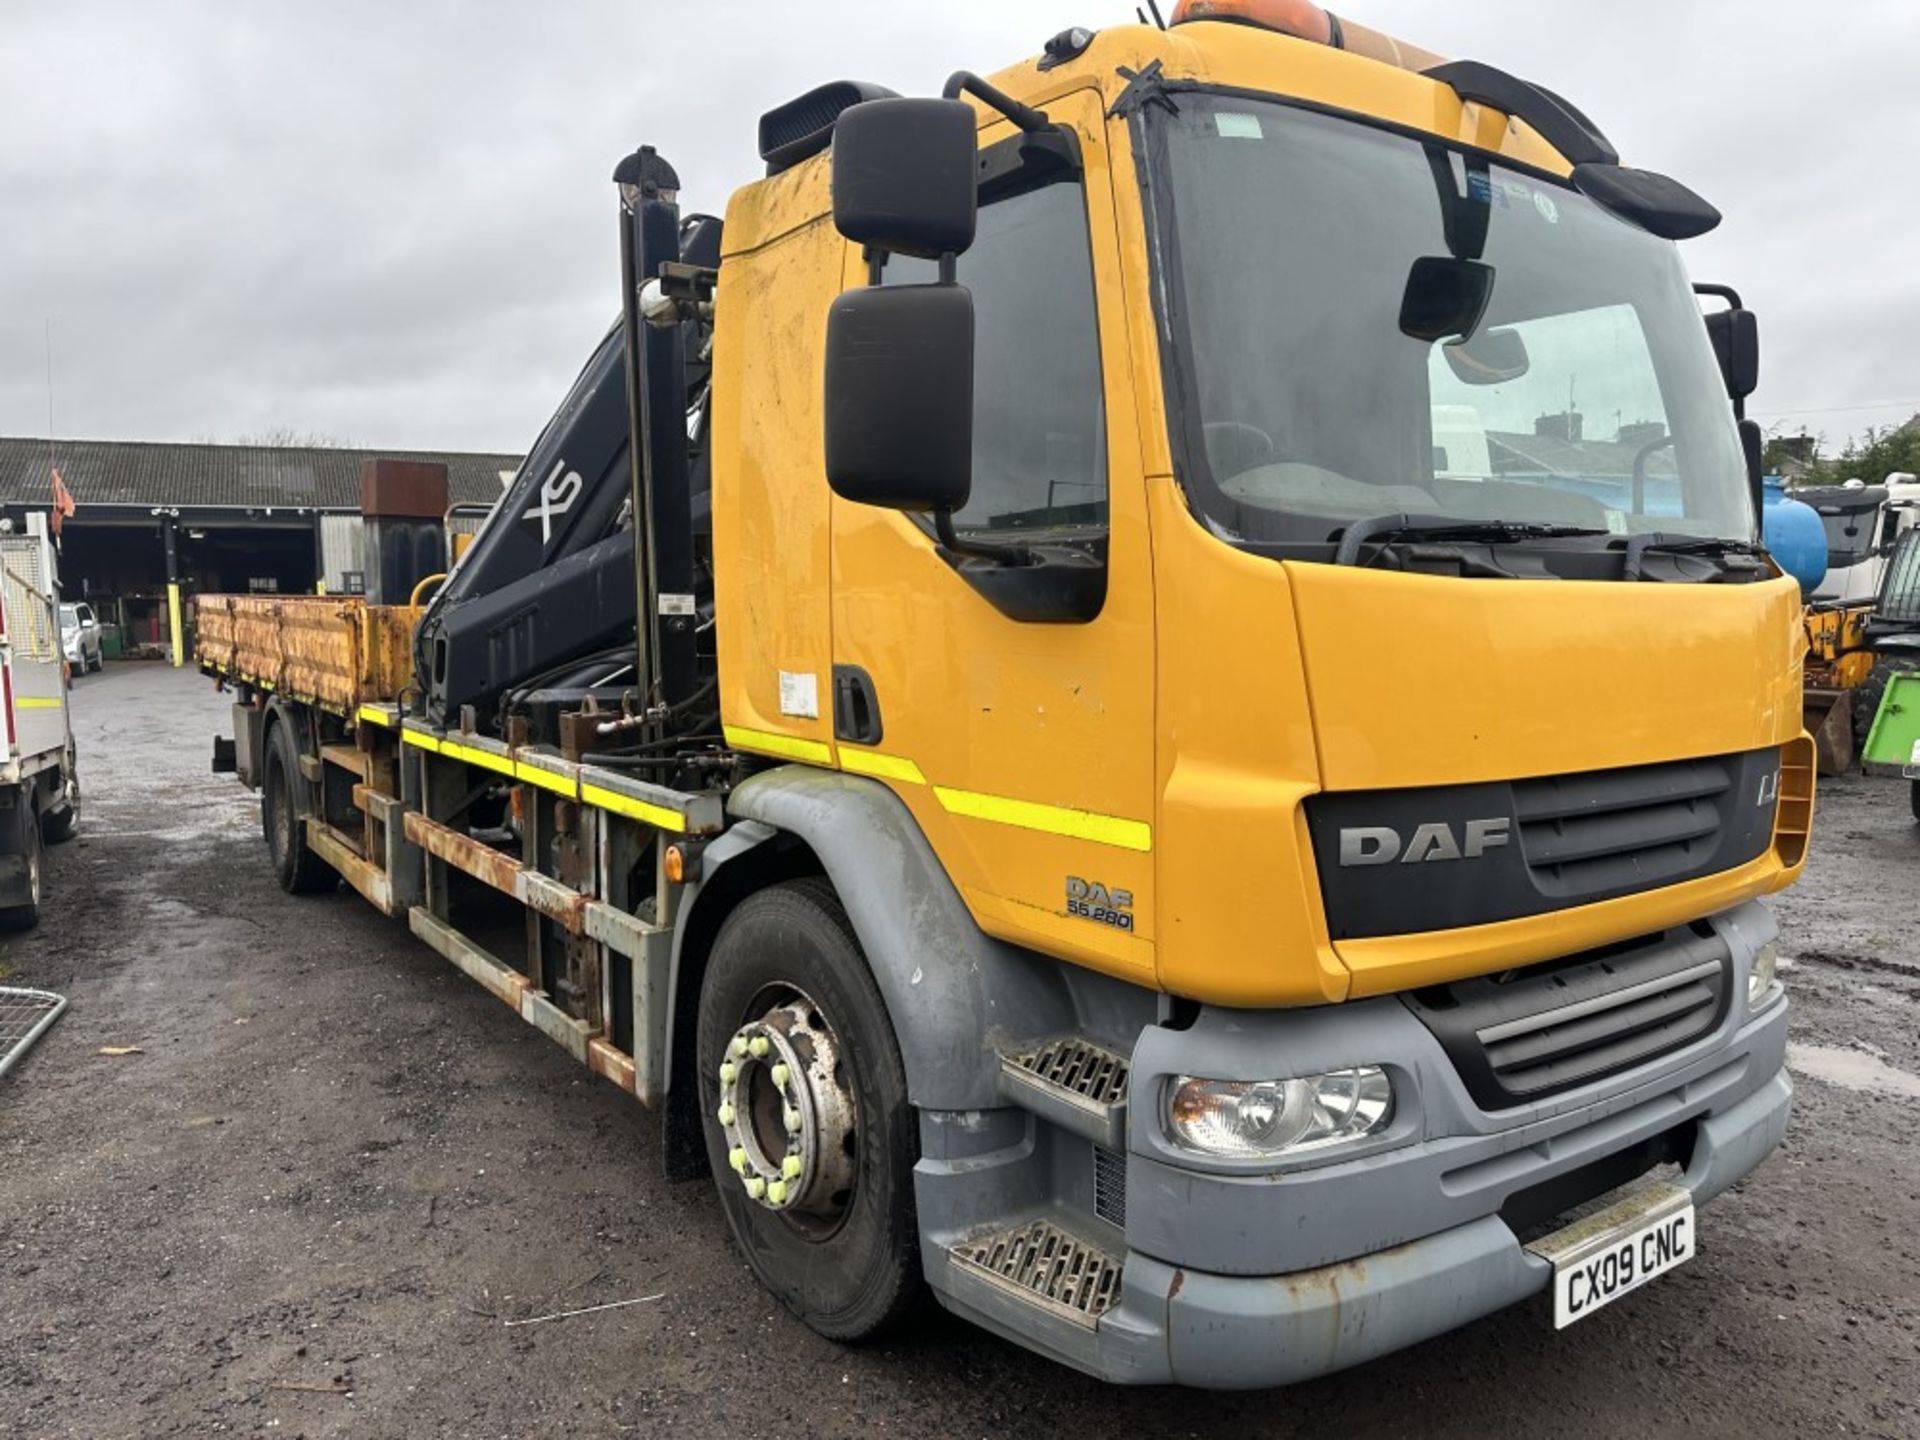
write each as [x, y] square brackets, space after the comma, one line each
[1736, 345]
[904, 176]
[1753, 441]
[899, 404]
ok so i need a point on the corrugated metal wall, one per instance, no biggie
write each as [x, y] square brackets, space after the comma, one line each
[343, 553]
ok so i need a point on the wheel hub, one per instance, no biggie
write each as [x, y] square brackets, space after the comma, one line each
[787, 1115]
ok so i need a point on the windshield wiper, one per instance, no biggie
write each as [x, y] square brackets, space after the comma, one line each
[1389, 528]
[1707, 547]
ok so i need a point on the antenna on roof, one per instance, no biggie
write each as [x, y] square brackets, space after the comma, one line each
[1155, 8]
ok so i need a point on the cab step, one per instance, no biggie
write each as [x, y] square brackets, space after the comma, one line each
[1042, 1264]
[1078, 1085]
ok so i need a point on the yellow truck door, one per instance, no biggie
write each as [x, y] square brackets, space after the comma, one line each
[1024, 749]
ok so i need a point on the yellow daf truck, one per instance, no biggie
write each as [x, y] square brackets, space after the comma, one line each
[1142, 696]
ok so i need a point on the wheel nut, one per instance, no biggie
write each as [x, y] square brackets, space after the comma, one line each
[781, 1074]
[759, 1047]
[737, 1158]
[739, 1046]
[756, 1188]
[777, 1192]
[792, 1118]
[729, 1072]
[792, 1166]
[726, 1114]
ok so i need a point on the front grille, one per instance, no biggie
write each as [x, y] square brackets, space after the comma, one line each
[1040, 1262]
[1588, 835]
[1532, 1033]
[1448, 857]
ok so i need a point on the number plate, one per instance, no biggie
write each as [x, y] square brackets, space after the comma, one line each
[1599, 1259]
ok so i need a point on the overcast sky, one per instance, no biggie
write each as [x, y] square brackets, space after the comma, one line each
[392, 222]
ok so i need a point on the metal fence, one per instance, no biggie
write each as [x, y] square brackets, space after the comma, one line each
[24, 1018]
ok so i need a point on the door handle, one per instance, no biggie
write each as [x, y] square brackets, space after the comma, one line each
[856, 706]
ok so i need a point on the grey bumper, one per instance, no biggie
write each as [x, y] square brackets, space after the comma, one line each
[1240, 1276]
[1238, 1332]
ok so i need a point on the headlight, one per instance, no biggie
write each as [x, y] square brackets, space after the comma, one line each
[1261, 1119]
[1760, 979]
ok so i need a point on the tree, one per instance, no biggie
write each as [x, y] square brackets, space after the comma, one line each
[285, 437]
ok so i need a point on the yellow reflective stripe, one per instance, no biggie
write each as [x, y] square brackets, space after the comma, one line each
[885, 767]
[484, 759]
[1049, 819]
[29, 702]
[547, 780]
[787, 747]
[633, 809]
[373, 715]
[420, 741]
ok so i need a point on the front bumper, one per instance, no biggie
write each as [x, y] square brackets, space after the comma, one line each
[1240, 1332]
[1239, 1279]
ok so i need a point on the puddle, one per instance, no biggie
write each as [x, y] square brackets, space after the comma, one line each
[1852, 1070]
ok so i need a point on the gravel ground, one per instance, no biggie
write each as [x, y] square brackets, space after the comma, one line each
[334, 1172]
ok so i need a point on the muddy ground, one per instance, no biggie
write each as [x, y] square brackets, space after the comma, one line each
[336, 1169]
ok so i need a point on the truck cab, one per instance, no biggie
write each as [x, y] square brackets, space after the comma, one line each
[1401, 830]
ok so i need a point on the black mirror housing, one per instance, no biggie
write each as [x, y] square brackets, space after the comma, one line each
[904, 176]
[1445, 297]
[899, 401]
[1736, 345]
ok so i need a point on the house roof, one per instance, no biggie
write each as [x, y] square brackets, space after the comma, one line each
[240, 477]
[1572, 459]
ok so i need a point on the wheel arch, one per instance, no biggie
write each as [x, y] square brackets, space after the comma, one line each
[950, 989]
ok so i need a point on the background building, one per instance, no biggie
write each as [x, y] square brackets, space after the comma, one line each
[218, 518]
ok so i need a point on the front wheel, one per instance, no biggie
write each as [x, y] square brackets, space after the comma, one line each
[809, 1132]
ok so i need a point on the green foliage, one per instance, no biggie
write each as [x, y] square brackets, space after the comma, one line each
[1870, 457]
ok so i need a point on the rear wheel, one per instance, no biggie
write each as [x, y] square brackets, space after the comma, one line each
[808, 1128]
[59, 820]
[301, 872]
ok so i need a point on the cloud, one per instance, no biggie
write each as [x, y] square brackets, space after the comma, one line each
[394, 223]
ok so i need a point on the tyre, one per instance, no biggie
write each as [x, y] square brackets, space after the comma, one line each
[99, 661]
[58, 823]
[300, 871]
[808, 1128]
[26, 827]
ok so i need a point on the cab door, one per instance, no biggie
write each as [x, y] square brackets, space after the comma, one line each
[1023, 746]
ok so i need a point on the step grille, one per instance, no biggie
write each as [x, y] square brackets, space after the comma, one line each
[1042, 1263]
[1077, 1067]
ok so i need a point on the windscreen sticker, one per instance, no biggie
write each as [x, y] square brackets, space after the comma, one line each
[1549, 211]
[1235, 126]
[1616, 522]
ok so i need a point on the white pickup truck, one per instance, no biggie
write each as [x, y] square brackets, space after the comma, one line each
[39, 788]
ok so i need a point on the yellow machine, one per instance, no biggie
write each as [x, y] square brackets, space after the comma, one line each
[1235, 805]
[1840, 663]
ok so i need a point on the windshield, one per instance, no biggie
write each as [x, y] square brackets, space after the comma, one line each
[1586, 395]
[69, 617]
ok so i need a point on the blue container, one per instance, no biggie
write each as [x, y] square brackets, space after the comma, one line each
[1795, 536]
